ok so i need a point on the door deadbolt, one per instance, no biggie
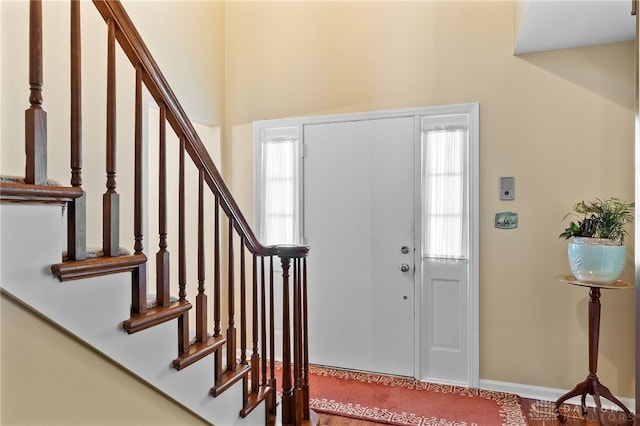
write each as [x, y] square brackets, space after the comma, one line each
[404, 250]
[404, 267]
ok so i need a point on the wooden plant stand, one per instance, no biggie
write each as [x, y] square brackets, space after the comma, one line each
[592, 385]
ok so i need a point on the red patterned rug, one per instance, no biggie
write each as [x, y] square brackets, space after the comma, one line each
[402, 401]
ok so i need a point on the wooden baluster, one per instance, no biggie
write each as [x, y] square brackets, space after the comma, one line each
[138, 193]
[162, 257]
[139, 274]
[297, 341]
[76, 216]
[216, 269]
[231, 330]
[35, 116]
[263, 321]
[243, 306]
[217, 356]
[287, 386]
[183, 320]
[272, 340]
[111, 199]
[255, 333]
[201, 298]
[306, 413]
[243, 320]
[76, 96]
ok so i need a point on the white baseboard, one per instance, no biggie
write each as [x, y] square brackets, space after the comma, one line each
[549, 394]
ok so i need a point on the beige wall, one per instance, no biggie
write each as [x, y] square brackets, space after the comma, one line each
[186, 38]
[50, 378]
[560, 122]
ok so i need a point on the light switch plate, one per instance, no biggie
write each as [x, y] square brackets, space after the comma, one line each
[506, 220]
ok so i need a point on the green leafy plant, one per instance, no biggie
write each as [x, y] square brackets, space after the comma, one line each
[600, 219]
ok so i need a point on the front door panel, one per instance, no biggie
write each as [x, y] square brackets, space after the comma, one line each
[359, 221]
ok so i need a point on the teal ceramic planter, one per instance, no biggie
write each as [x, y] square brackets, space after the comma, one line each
[596, 260]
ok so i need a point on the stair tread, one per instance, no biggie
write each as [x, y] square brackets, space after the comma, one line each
[93, 267]
[17, 191]
[229, 378]
[154, 316]
[197, 351]
[254, 399]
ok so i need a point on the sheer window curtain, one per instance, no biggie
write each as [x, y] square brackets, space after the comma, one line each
[279, 214]
[445, 202]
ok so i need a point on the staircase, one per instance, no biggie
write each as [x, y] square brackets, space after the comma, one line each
[213, 348]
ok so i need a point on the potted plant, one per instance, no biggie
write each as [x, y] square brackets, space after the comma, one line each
[597, 253]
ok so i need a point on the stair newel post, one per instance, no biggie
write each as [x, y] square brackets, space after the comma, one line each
[111, 199]
[201, 298]
[35, 116]
[162, 256]
[183, 320]
[139, 274]
[231, 329]
[288, 407]
[294, 393]
[76, 216]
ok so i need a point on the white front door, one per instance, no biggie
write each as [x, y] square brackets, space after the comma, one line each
[359, 221]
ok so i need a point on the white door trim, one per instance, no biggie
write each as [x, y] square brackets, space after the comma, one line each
[474, 265]
[474, 251]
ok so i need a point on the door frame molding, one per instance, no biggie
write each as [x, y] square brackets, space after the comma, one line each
[473, 297]
[472, 109]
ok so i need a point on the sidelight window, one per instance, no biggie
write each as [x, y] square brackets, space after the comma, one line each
[445, 204]
[278, 186]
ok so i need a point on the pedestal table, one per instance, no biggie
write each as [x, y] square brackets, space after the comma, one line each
[592, 385]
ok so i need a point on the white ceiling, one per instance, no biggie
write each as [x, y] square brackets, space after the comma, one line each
[561, 24]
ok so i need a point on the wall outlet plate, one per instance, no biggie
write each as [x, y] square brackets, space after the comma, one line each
[506, 220]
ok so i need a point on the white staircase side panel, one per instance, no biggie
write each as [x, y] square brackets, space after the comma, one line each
[92, 309]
